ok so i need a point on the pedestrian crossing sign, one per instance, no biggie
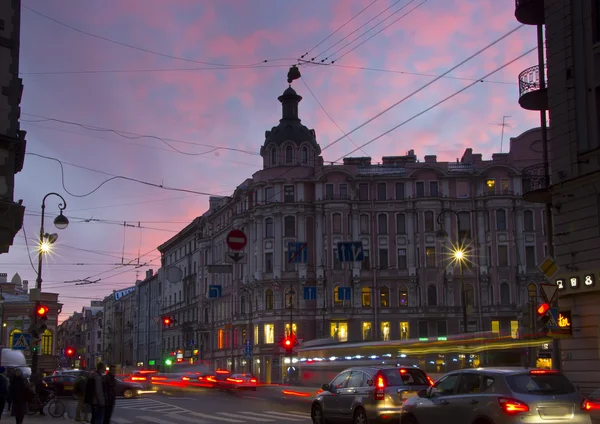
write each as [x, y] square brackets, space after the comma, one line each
[21, 341]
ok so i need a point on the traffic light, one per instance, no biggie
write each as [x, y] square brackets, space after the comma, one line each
[40, 318]
[168, 321]
[543, 312]
[35, 345]
[70, 351]
[288, 345]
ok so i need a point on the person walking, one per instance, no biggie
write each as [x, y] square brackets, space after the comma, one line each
[21, 393]
[10, 374]
[3, 389]
[110, 393]
[94, 393]
[82, 408]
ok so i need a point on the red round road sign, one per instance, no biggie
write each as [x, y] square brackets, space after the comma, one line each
[236, 240]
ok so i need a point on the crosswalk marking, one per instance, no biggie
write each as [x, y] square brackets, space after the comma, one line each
[212, 417]
[120, 420]
[150, 405]
[262, 419]
[155, 420]
[284, 416]
[299, 413]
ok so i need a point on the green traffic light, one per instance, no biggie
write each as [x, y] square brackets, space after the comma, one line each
[168, 362]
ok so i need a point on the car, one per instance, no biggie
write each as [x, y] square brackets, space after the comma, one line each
[499, 396]
[237, 382]
[61, 384]
[368, 394]
[592, 404]
[128, 389]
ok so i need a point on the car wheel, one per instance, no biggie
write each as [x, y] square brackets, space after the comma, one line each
[127, 393]
[317, 415]
[360, 416]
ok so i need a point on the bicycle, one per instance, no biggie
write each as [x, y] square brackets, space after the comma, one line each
[55, 406]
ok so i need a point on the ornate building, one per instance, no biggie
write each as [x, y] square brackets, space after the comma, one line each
[148, 346]
[405, 287]
[118, 335]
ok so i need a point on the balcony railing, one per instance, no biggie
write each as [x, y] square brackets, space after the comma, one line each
[531, 95]
[535, 184]
[530, 12]
[461, 167]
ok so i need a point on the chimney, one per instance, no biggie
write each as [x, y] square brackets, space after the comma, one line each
[477, 158]
[430, 158]
[149, 273]
[26, 286]
[3, 277]
[214, 202]
[467, 156]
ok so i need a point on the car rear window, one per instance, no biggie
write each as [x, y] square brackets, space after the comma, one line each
[405, 377]
[550, 384]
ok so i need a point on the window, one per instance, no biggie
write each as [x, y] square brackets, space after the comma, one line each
[490, 186]
[400, 223]
[504, 185]
[530, 260]
[433, 189]
[423, 331]
[528, 221]
[47, 342]
[500, 219]
[502, 255]
[402, 262]
[339, 331]
[220, 339]
[442, 329]
[464, 225]
[462, 189]
[385, 330]
[399, 191]
[384, 297]
[336, 259]
[344, 191]
[287, 329]
[337, 223]
[470, 295]
[382, 223]
[430, 257]
[366, 262]
[269, 262]
[383, 259]
[329, 191]
[367, 328]
[403, 296]
[273, 156]
[495, 327]
[288, 194]
[269, 300]
[336, 300]
[269, 333]
[432, 295]
[381, 191]
[290, 298]
[363, 191]
[242, 305]
[429, 226]
[269, 227]
[289, 226]
[304, 155]
[504, 294]
[289, 155]
[420, 189]
[404, 330]
[365, 295]
[364, 224]
[269, 195]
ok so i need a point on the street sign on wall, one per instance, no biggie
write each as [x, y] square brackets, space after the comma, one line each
[351, 251]
[297, 253]
[21, 341]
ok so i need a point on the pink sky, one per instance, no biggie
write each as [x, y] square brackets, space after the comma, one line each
[71, 76]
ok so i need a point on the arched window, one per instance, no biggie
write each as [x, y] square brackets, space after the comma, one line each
[10, 337]
[532, 292]
[504, 294]
[269, 300]
[384, 297]
[402, 296]
[382, 223]
[336, 300]
[269, 227]
[304, 155]
[365, 295]
[47, 342]
[290, 298]
[470, 295]
[289, 155]
[242, 305]
[273, 156]
[432, 295]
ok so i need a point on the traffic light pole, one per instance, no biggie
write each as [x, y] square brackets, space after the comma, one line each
[34, 353]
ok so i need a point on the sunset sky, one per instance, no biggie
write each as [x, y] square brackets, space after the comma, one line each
[201, 79]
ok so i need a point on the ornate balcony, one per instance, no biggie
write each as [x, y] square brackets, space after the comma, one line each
[530, 12]
[531, 96]
[535, 184]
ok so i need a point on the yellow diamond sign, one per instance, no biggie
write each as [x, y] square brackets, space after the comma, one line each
[548, 267]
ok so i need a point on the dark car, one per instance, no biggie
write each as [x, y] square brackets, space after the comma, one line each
[128, 389]
[61, 384]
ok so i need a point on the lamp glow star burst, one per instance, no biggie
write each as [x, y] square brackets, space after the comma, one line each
[459, 255]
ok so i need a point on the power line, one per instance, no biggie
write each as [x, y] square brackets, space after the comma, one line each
[109, 222]
[423, 87]
[440, 102]
[120, 221]
[123, 71]
[142, 49]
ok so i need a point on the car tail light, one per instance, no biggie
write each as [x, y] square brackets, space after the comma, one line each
[222, 372]
[430, 381]
[403, 371]
[253, 380]
[235, 380]
[139, 378]
[512, 406]
[538, 372]
[379, 387]
[157, 378]
[590, 405]
[185, 378]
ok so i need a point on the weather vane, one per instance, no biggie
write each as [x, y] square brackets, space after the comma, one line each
[293, 74]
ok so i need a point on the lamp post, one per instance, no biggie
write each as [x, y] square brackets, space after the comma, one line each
[458, 256]
[45, 245]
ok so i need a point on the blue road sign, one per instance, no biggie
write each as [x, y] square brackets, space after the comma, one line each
[21, 341]
[344, 293]
[214, 291]
[350, 251]
[553, 322]
[248, 344]
[297, 253]
[310, 293]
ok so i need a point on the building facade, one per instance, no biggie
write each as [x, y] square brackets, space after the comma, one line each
[572, 97]
[91, 328]
[148, 347]
[405, 286]
[12, 138]
[118, 335]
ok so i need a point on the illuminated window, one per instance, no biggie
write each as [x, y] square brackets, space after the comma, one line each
[384, 297]
[269, 333]
[290, 298]
[490, 186]
[220, 339]
[366, 297]
[403, 296]
[336, 300]
[47, 342]
[10, 337]
[256, 335]
[339, 331]
[385, 331]
[514, 329]
[366, 330]
[404, 330]
[269, 300]
[495, 327]
[287, 329]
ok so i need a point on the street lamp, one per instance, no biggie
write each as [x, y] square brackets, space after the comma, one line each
[45, 246]
[459, 256]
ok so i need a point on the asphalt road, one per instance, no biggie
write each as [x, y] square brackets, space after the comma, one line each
[266, 405]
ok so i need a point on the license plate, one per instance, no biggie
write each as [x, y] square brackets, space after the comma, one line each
[556, 412]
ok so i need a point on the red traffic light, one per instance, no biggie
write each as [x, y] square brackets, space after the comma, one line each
[542, 309]
[70, 351]
[287, 342]
[166, 321]
[41, 310]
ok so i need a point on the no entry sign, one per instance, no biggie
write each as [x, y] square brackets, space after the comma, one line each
[236, 240]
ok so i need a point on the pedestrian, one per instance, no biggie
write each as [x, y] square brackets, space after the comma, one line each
[110, 393]
[3, 389]
[94, 393]
[21, 393]
[41, 388]
[82, 408]
[10, 374]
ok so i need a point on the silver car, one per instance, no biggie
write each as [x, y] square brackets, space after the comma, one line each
[362, 395]
[498, 396]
